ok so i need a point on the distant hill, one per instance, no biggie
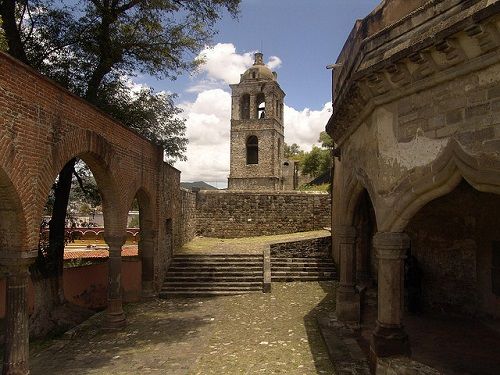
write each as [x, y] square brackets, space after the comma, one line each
[197, 185]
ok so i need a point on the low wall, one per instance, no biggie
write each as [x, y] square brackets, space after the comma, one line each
[314, 247]
[188, 216]
[233, 214]
[87, 285]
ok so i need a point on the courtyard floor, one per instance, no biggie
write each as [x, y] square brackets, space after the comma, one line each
[273, 333]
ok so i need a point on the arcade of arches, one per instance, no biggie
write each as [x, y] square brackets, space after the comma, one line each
[43, 127]
[423, 100]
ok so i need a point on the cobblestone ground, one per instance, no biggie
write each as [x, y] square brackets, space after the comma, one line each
[258, 333]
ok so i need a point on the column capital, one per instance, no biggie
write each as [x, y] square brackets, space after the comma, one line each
[17, 261]
[114, 241]
[345, 233]
[391, 245]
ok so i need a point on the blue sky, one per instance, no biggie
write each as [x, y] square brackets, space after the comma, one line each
[301, 36]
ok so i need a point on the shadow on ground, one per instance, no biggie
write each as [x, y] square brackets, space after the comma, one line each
[325, 307]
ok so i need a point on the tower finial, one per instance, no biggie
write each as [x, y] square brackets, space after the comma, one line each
[259, 58]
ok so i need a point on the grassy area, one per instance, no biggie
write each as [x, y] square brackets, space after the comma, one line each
[250, 245]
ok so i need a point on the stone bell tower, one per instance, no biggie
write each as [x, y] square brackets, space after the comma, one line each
[256, 130]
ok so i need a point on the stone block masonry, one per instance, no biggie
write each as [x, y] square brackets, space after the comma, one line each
[233, 214]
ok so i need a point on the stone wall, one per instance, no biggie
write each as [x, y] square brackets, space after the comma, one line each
[453, 244]
[188, 216]
[232, 214]
[313, 247]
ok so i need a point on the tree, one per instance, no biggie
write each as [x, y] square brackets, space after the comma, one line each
[293, 151]
[88, 47]
[318, 161]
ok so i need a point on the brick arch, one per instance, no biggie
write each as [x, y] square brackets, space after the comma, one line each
[12, 218]
[440, 178]
[100, 156]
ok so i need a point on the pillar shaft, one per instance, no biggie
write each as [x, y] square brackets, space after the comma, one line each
[16, 340]
[115, 317]
[389, 337]
[146, 248]
[348, 308]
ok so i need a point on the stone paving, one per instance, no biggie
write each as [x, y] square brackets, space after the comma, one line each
[274, 333]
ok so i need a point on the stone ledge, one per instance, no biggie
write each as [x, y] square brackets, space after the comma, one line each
[403, 366]
[343, 349]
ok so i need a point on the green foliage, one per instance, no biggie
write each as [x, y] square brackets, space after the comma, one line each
[3, 41]
[134, 222]
[293, 152]
[326, 141]
[90, 45]
[322, 187]
[316, 162]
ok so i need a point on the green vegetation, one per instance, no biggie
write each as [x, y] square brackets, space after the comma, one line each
[316, 162]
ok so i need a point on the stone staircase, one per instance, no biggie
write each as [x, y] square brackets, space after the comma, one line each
[302, 269]
[213, 274]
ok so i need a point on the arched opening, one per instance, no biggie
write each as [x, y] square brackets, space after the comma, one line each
[141, 217]
[261, 106]
[63, 248]
[452, 282]
[366, 226]
[245, 107]
[252, 150]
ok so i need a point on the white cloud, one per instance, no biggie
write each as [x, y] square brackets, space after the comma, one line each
[208, 117]
[208, 131]
[303, 127]
[223, 65]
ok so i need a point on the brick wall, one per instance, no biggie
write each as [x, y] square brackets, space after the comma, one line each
[228, 214]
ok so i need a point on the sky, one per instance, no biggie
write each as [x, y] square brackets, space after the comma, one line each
[298, 39]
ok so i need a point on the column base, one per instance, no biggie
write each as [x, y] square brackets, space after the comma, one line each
[389, 341]
[148, 292]
[348, 305]
[15, 369]
[115, 317]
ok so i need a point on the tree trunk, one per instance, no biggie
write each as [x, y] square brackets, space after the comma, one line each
[48, 270]
[9, 25]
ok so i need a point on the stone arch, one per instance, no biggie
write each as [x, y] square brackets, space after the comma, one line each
[440, 178]
[12, 220]
[252, 146]
[260, 104]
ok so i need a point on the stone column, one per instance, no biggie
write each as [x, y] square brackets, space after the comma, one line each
[253, 107]
[146, 249]
[115, 318]
[16, 340]
[348, 308]
[389, 337]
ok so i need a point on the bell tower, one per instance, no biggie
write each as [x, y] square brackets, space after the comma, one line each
[257, 136]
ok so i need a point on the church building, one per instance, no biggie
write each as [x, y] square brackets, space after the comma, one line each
[257, 132]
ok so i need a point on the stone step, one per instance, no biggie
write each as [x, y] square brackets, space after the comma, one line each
[302, 273]
[175, 273]
[222, 258]
[301, 260]
[211, 287]
[220, 268]
[299, 278]
[304, 266]
[205, 293]
[185, 263]
[212, 283]
[195, 277]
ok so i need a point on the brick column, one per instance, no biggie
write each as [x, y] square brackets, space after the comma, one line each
[16, 340]
[115, 318]
[253, 107]
[389, 337]
[348, 308]
[146, 247]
